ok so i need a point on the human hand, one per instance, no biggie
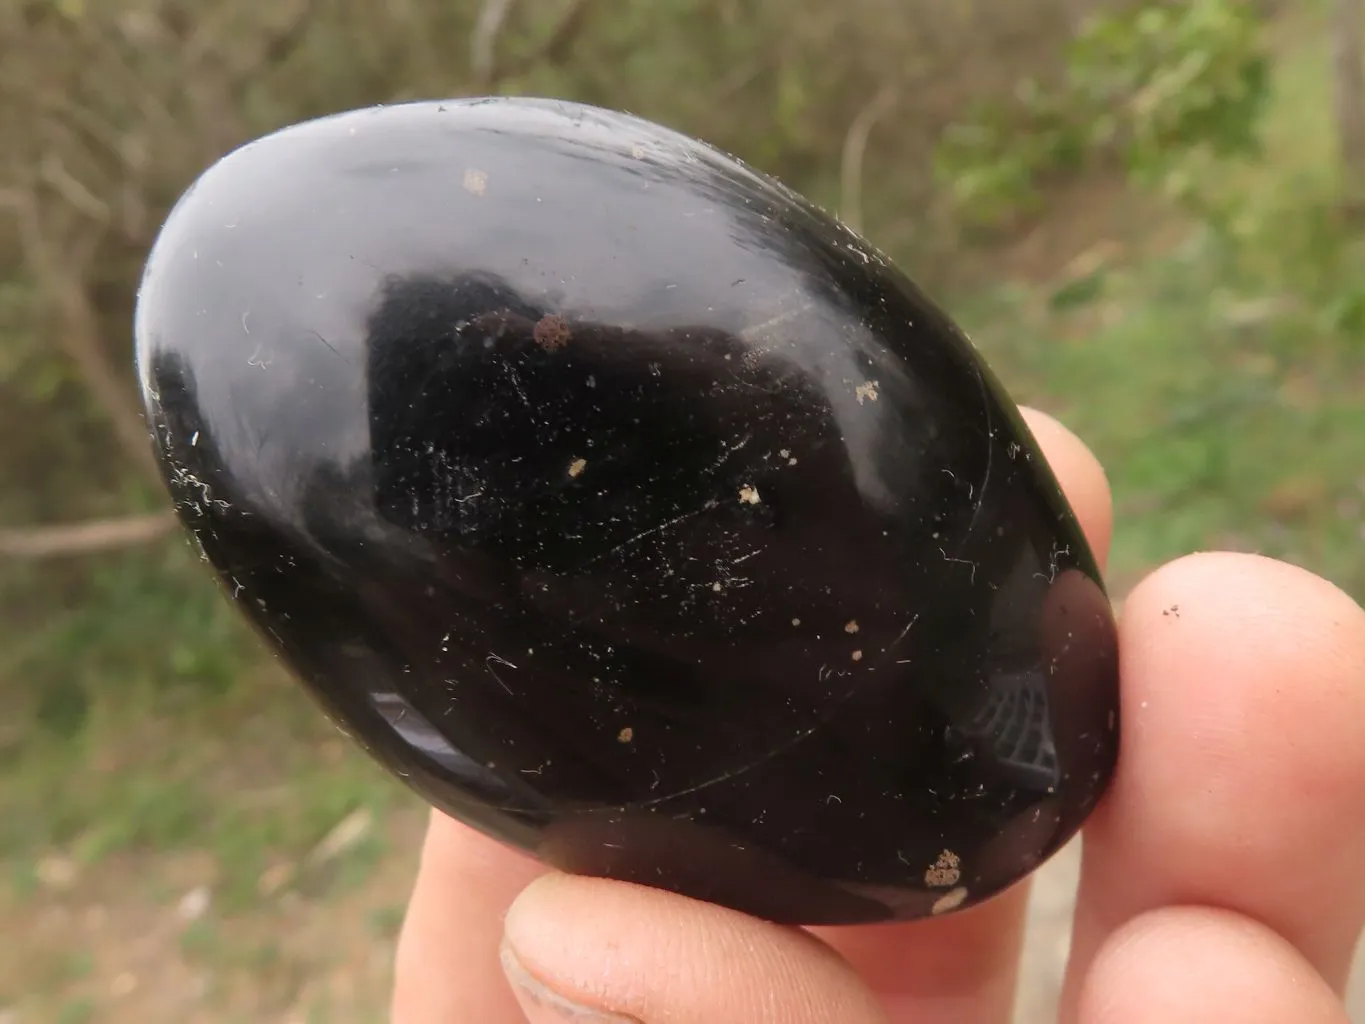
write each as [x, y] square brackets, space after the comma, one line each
[1223, 876]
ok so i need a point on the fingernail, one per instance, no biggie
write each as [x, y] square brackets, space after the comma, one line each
[543, 1005]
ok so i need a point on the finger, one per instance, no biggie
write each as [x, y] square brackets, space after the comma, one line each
[1081, 476]
[595, 951]
[964, 968]
[446, 967]
[1195, 965]
[1243, 768]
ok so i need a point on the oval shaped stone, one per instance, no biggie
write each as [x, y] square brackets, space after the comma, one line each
[630, 508]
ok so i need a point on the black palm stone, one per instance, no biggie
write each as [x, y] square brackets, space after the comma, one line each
[630, 508]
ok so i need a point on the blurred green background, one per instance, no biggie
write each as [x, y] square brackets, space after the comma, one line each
[1149, 216]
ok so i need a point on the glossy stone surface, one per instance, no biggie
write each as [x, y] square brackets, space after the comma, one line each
[630, 509]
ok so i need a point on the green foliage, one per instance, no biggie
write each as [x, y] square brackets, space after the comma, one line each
[1152, 86]
[1175, 96]
[1168, 80]
[23, 364]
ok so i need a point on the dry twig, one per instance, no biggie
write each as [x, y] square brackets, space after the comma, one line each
[69, 540]
[855, 147]
[489, 72]
[483, 41]
[78, 330]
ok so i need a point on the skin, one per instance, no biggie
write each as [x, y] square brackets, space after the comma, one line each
[1221, 875]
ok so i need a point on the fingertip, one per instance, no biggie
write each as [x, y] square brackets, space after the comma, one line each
[1196, 964]
[620, 950]
[1262, 651]
[1243, 765]
[538, 924]
[540, 1002]
[1264, 658]
[1081, 476]
[1278, 586]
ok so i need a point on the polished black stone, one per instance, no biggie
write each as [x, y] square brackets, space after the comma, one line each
[630, 508]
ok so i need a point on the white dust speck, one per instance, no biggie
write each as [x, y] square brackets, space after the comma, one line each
[857, 655]
[749, 495]
[577, 466]
[852, 626]
[625, 735]
[949, 901]
[123, 984]
[867, 392]
[56, 872]
[193, 904]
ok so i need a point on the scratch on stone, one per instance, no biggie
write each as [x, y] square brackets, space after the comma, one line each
[990, 435]
[326, 342]
[668, 525]
[960, 561]
[488, 664]
[730, 450]
[904, 632]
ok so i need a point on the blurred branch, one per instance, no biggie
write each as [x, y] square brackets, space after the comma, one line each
[61, 276]
[483, 41]
[275, 48]
[554, 48]
[855, 148]
[63, 108]
[84, 538]
[1348, 80]
[54, 174]
[281, 44]
[90, 132]
[489, 72]
[118, 74]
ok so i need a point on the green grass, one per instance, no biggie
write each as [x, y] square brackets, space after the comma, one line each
[155, 721]
[1210, 439]
[141, 719]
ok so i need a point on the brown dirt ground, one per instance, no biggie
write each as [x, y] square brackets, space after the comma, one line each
[299, 961]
